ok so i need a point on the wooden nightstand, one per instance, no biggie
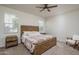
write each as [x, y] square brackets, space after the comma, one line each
[11, 41]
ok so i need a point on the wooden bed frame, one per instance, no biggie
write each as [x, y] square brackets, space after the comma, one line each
[42, 47]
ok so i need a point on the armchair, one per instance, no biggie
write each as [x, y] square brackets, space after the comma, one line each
[73, 41]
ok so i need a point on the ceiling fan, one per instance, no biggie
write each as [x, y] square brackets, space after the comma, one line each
[47, 7]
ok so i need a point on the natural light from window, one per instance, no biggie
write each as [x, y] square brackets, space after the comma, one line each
[41, 25]
[10, 23]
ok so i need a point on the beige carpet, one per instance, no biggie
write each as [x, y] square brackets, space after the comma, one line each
[59, 49]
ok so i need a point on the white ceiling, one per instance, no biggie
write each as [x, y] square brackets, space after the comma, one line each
[31, 8]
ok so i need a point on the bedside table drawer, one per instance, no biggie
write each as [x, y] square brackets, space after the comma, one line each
[11, 38]
[10, 44]
[11, 41]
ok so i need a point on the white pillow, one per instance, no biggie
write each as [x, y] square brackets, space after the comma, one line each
[31, 33]
[26, 33]
[34, 33]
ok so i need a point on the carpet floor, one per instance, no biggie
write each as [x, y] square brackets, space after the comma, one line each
[59, 49]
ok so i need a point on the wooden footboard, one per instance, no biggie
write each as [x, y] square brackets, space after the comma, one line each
[44, 46]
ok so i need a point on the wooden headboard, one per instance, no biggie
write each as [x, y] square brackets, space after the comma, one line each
[29, 28]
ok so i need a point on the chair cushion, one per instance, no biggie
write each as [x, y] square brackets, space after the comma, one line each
[75, 37]
[71, 42]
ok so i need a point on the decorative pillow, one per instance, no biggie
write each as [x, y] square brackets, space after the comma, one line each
[26, 33]
[31, 33]
[34, 33]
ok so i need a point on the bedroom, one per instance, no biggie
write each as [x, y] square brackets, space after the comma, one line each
[61, 22]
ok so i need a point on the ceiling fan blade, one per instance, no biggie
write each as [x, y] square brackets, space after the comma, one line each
[48, 10]
[39, 7]
[53, 6]
[45, 5]
[42, 10]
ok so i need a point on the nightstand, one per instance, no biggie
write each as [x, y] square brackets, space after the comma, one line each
[11, 41]
[43, 33]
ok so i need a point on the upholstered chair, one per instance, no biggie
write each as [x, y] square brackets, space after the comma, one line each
[73, 41]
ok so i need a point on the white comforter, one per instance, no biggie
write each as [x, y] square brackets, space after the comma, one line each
[31, 41]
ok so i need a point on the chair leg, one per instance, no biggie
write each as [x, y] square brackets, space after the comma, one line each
[74, 46]
[66, 43]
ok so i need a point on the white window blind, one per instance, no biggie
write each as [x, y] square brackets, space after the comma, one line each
[10, 23]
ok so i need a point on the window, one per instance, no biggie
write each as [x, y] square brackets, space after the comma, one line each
[10, 23]
[41, 26]
[41, 23]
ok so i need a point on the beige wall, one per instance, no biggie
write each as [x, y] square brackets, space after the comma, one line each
[63, 25]
[23, 19]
